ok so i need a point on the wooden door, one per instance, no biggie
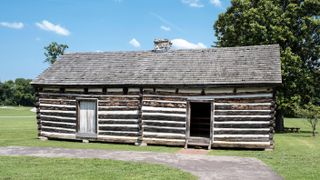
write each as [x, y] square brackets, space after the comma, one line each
[87, 117]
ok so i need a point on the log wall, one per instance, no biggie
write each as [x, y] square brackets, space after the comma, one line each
[241, 117]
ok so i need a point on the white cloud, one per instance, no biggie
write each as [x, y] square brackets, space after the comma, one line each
[184, 44]
[216, 3]
[12, 25]
[193, 3]
[56, 28]
[135, 43]
[165, 28]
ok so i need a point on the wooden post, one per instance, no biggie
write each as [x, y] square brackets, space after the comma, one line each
[211, 125]
[38, 111]
[187, 125]
[141, 129]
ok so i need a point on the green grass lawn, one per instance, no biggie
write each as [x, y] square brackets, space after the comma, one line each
[296, 155]
[64, 168]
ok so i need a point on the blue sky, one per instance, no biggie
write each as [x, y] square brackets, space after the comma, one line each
[96, 25]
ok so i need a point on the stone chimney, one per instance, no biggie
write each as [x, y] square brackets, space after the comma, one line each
[162, 45]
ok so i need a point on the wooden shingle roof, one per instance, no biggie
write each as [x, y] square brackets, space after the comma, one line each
[212, 66]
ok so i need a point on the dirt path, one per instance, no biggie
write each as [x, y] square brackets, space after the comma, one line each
[203, 166]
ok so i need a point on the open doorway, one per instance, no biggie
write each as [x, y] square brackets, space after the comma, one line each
[200, 119]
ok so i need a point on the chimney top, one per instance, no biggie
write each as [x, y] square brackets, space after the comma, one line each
[162, 45]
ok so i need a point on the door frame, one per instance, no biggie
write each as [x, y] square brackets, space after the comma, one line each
[188, 118]
[78, 100]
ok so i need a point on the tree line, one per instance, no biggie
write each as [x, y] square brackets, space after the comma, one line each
[17, 92]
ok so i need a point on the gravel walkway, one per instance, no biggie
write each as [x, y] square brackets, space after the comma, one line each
[203, 166]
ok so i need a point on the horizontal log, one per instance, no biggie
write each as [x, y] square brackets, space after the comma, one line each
[164, 101]
[244, 100]
[241, 107]
[109, 98]
[58, 123]
[253, 89]
[254, 145]
[119, 128]
[57, 117]
[115, 108]
[160, 109]
[242, 112]
[67, 115]
[58, 128]
[119, 103]
[162, 104]
[58, 102]
[257, 131]
[147, 114]
[119, 125]
[164, 127]
[165, 118]
[131, 112]
[244, 137]
[57, 111]
[118, 116]
[164, 123]
[160, 141]
[47, 89]
[58, 135]
[118, 133]
[218, 119]
[218, 90]
[242, 122]
[163, 135]
[52, 130]
[166, 112]
[117, 139]
[59, 108]
[165, 98]
[57, 99]
[95, 90]
[164, 130]
[228, 125]
[118, 121]
[74, 90]
[121, 100]
[57, 105]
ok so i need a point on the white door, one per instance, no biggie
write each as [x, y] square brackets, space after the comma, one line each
[87, 117]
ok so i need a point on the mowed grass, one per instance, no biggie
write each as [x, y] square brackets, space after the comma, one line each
[64, 168]
[296, 155]
[18, 127]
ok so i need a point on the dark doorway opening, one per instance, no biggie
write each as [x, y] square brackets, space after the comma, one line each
[200, 119]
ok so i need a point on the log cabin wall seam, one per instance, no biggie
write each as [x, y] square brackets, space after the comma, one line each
[217, 97]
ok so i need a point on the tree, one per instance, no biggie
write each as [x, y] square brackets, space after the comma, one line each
[53, 51]
[295, 26]
[312, 113]
[18, 92]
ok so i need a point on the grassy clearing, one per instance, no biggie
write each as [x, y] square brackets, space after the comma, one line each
[296, 155]
[20, 130]
[64, 168]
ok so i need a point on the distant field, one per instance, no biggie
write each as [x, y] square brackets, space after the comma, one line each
[296, 155]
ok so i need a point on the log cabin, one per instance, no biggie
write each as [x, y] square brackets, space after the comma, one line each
[213, 97]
